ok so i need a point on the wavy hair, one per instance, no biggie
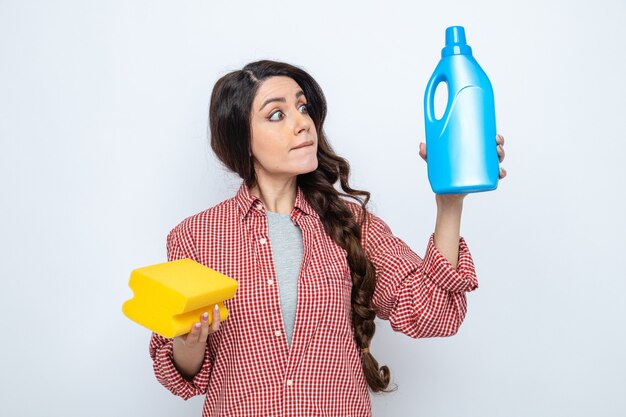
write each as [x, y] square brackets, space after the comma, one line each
[230, 132]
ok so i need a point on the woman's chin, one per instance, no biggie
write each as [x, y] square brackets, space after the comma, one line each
[310, 167]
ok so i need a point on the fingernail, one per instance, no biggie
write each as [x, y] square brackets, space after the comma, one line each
[198, 325]
[205, 315]
[216, 308]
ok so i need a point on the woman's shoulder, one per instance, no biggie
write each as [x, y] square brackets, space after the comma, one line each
[220, 214]
[355, 208]
[373, 230]
[357, 211]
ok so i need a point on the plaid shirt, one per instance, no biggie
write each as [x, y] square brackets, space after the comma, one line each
[249, 370]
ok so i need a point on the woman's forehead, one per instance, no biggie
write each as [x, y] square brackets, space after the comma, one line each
[277, 87]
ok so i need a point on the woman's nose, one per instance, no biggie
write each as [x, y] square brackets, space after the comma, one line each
[302, 122]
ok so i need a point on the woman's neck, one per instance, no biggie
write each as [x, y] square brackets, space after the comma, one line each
[277, 196]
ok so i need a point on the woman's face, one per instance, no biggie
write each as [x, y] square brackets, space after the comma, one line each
[284, 139]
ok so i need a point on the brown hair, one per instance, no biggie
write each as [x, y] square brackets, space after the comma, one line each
[229, 121]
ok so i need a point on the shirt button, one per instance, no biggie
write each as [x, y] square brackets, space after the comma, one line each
[259, 206]
[270, 282]
[278, 333]
[262, 241]
[289, 382]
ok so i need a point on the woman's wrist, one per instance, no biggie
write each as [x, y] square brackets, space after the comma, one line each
[448, 227]
[449, 202]
[188, 362]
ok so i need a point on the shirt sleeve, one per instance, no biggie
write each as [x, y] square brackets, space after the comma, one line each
[179, 245]
[419, 297]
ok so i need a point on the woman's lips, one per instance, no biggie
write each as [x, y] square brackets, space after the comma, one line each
[304, 144]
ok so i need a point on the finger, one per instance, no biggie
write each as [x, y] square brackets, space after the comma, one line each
[192, 337]
[502, 173]
[500, 140]
[215, 323]
[204, 328]
[501, 154]
[422, 150]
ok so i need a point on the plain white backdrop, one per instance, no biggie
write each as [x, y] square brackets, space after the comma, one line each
[103, 119]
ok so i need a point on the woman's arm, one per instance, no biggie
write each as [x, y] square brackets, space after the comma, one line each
[183, 364]
[449, 209]
[424, 297]
[420, 297]
[189, 349]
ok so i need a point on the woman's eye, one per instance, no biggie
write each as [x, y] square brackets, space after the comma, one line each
[304, 108]
[276, 116]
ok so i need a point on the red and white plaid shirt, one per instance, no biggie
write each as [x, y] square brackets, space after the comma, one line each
[249, 370]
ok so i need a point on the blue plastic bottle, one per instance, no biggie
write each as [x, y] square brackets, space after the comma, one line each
[461, 146]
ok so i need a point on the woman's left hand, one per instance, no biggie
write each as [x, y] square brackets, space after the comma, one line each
[451, 199]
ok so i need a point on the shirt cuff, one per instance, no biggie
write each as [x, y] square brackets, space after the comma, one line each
[169, 377]
[440, 271]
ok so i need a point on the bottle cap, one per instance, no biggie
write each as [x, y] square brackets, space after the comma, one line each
[455, 42]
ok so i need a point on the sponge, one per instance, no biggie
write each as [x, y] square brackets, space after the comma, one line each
[170, 297]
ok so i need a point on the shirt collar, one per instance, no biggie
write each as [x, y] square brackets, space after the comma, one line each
[247, 202]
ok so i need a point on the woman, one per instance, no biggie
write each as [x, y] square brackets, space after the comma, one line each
[313, 269]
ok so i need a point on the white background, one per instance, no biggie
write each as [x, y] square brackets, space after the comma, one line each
[103, 118]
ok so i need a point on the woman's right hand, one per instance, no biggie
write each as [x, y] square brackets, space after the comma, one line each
[188, 349]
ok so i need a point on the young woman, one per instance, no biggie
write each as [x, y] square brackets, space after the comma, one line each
[314, 269]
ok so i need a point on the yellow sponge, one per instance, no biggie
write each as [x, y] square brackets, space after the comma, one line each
[170, 297]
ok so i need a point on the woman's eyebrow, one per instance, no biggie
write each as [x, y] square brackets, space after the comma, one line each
[280, 99]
